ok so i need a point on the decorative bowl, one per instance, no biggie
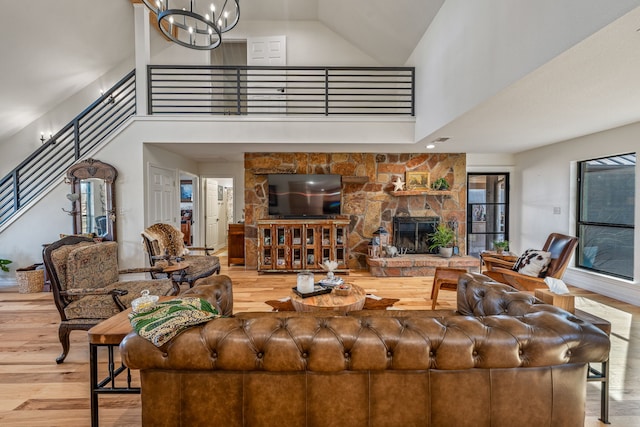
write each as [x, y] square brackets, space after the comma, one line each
[342, 290]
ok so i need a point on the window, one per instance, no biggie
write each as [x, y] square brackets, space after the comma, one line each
[606, 205]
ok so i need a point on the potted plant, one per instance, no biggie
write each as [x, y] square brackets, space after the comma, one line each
[443, 239]
[3, 264]
[440, 184]
[501, 245]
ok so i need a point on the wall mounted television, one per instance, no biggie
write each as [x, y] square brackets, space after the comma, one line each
[304, 195]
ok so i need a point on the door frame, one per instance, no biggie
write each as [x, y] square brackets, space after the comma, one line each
[469, 219]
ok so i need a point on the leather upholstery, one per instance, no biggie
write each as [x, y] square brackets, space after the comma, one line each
[525, 366]
[561, 247]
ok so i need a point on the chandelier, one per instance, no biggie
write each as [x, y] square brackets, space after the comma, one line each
[195, 24]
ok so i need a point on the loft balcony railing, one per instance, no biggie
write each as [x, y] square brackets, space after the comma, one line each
[243, 90]
[50, 161]
[210, 90]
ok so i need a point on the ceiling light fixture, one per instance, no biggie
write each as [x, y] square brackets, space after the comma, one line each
[431, 146]
[195, 24]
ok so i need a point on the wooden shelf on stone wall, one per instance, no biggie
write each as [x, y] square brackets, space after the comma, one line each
[355, 179]
[421, 193]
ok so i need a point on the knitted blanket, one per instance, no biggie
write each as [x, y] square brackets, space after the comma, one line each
[167, 319]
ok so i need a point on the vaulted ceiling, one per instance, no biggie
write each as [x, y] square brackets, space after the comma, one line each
[52, 49]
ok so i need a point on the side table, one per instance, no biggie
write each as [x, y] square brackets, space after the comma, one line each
[108, 333]
[599, 375]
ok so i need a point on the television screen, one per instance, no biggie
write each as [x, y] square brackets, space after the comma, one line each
[300, 195]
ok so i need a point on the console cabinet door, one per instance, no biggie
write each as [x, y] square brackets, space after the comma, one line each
[305, 245]
[265, 255]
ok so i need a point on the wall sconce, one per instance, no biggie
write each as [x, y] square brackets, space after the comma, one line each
[109, 100]
[42, 137]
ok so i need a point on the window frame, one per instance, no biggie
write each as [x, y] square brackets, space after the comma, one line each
[581, 223]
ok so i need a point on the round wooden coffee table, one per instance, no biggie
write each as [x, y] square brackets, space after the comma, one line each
[331, 302]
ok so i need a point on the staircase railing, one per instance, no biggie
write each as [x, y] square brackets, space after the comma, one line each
[50, 161]
[241, 90]
[211, 90]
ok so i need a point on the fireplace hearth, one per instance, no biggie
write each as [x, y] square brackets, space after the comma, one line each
[411, 233]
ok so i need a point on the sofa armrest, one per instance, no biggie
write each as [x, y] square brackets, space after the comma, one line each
[218, 290]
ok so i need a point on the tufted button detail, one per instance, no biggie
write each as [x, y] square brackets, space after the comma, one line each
[305, 354]
[259, 355]
[475, 352]
[568, 352]
[389, 353]
[347, 354]
[432, 353]
[165, 354]
[214, 354]
[520, 352]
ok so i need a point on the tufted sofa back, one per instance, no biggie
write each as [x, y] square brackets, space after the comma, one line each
[527, 368]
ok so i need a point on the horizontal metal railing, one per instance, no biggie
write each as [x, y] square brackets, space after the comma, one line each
[50, 161]
[194, 90]
[241, 90]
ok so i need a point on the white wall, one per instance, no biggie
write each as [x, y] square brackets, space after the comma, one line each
[472, 50]
[546, 178]
[308, 42]
[20, 145]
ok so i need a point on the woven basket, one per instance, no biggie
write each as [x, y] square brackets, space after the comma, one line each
[29, 280]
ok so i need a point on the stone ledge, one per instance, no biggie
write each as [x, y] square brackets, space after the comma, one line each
[418, 265]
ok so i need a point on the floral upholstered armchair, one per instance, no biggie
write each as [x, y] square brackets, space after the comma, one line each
[86, 284]
[164, 244]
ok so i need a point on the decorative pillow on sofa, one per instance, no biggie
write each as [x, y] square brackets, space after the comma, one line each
[533, 262]
[168, 318]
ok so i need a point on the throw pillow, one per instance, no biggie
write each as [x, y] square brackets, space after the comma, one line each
[168, 318]
[533, 262]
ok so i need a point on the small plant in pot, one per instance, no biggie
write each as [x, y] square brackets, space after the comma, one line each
[3, 264]
[501, 245]
[440, 184]
[443, 239]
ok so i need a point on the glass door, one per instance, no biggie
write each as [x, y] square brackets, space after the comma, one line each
[487, 211]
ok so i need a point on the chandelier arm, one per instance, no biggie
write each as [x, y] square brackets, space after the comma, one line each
[205, 37]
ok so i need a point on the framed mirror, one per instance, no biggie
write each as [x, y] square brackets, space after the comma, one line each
[92, 195]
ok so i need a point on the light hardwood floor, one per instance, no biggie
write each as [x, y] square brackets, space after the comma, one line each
[35, 391]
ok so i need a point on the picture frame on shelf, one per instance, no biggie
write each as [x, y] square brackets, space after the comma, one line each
[417, 180]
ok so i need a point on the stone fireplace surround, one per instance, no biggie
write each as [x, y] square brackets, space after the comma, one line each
[368, 199]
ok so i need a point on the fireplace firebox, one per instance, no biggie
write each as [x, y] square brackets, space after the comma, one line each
[411, 233]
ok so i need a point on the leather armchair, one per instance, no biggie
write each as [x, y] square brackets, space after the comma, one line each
[561, 247]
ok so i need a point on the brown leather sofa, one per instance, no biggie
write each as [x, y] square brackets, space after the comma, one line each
[503, 359]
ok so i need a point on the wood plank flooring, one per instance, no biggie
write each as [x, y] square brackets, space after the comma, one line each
[35, 391]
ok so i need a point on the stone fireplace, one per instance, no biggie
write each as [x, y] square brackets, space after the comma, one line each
[411, 233]
[368, 197]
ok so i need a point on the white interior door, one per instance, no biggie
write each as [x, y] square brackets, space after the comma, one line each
[162, 196]
[211, 215]
[266, 91]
